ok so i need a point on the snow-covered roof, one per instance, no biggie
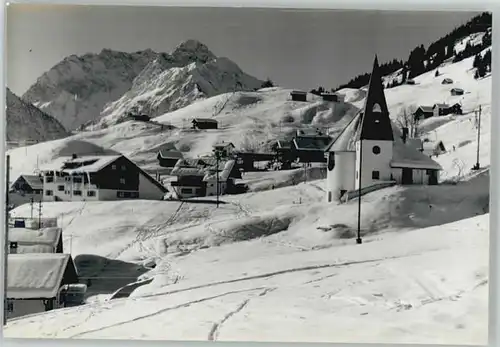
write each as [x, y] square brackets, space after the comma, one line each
[36, 275]
[85, 163]
[204, 120]
[30, 237]
[204, 167]
[298, 92]
[34, 181]
[223, 144]
[166, 154]
[227, 167]
[441, 106]
[311, 143]
[426, 108]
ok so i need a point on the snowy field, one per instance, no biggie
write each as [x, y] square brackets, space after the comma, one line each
[280, 264]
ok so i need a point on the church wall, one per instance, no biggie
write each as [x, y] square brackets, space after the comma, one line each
[373, 162]
[341, 177]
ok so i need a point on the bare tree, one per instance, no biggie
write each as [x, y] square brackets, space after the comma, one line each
[251, 144]
[406, 119]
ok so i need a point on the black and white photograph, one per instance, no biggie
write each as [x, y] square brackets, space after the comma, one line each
[247, 174]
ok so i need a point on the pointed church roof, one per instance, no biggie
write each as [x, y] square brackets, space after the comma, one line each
[376, 124]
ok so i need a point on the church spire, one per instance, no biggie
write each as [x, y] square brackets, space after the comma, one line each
[376, 124]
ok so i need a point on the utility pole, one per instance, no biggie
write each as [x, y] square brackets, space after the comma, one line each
[40, 214]
[6, 244]
[358, 240]
[217, 157]
[31, 206]
[478, 114]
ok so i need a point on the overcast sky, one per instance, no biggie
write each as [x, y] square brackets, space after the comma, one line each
[295, 48]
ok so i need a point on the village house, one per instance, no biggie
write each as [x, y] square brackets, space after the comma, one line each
[445, 109]
[457, 91]
[370, 151]
[447, 81]
[198, 177]
[298, 95]
[45, 240]
[26, 188]
[168, 158]
[204, 123]
[423, 112]
[433, 148]
[225, 149]
[99, 177]
[35, 282]
[310, 148]
[332, 97]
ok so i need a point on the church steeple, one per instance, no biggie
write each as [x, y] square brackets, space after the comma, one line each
[376, 124]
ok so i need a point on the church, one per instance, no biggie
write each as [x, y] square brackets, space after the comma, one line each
[371, 150]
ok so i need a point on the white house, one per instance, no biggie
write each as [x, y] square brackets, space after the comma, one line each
[99, 177]
[35, 280]
[370, 150]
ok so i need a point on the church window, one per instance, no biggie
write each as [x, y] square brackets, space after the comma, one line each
[376, 150]
[375, 175]
[376, 108]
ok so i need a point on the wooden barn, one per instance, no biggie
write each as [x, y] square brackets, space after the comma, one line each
[456, 91]
[298, 95]
[140, 117]
[225, 149]
[445, 109]
[423, 112]
[204, 123]
[447, 81]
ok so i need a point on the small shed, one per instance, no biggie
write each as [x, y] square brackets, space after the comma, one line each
[410, 81]
[447, 81]
[457, 91]
[298, 95]
[423, 112]
[204, 123]
[433, 148]
[168, 158]
[46, 240]
[332, 97]
[34, 281]
[140, 117]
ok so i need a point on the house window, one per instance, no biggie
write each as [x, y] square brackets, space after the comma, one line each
[124, 168]
[357, 174]
[77, 180]
[376, 150]
[77, 192]
[49, 192]
[49, 179]
[91, 193]
[113, 167]
[134, 195]
[376, 108]
[122, 180]
[126, 194]
[375, 175]
[186, 191]
[60, 188]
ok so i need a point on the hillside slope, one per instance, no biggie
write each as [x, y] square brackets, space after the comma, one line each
[25, 122]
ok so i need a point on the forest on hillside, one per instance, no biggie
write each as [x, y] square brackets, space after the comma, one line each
[421, 60]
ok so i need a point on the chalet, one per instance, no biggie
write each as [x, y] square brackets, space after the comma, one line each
[310, 148]
[26, 188]
[198, 177]
[224, 148]
[298, 95]
[168, 159]
[284, 153]
[204, 123]
[457, 91]
[447, 81]
[46, 240]
[35, 282]
[100, 177]
[423, 112]
[370, 152]
[445, 109]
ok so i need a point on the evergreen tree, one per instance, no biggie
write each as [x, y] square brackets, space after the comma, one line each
[268, 83]
[436, 74]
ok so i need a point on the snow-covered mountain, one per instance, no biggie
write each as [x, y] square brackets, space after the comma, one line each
[79, 89]
[167, 85]
[25, 122]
